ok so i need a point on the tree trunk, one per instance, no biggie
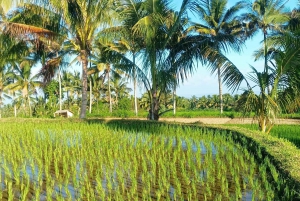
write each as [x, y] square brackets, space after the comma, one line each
[220, 90]
[84, 60]
[0, 104]
[15, 109]
[265, 51]
[134, 86]
[90, 109]
[29, 106]
[266, 68]
[109, 92]
[154, 115]
[174, 101]
[263, 125]
[59, 80]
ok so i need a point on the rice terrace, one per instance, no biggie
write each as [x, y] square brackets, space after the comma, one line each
[139, 160]
[140, 100]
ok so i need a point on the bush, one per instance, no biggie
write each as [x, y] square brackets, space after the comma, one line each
[123, 113]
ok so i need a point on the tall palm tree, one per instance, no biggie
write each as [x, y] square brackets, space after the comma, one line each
[278, 86]
[83, 19]
[157, 26]
[222, 31]
[11, 51]
[119, 87]
[130, 14]
[267, 16]
[24, 81]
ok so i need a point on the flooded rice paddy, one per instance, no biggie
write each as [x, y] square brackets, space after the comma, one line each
[80, 161]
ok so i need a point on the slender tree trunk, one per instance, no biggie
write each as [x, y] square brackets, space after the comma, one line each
[15, 110]
[174, 100]
[90, 109]
[263, 125]
[109, 92]
[266, 68]
[59, 81]
[29, 104]
[68, 99]
[155, 106]
[134, 86]
[84, 60]
[0, 104]
[265, 51]
[220, 90]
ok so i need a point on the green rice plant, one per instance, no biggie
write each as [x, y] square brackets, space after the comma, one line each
[145, 164]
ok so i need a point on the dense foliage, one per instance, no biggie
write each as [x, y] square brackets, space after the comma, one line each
[151, 43]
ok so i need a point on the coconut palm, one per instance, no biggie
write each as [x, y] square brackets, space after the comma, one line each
[24, 81]
[267, 16]
[83, 20]
[221, 30]
[16, 28]
[157, 26]
[130, 13]
[119, 87]
[294, 21]
[278, 86]
[10, 50]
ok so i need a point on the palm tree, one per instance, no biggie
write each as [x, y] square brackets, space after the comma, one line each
[10, 50]
[83, 19]
[130, 14]
[221, 30]
[119, 87]
[157, 26]
[267, 16]
[145, 101]
[16, 28]
[278, 86]
[32, 18]
[24, 81]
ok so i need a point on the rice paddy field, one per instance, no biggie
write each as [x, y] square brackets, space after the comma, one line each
[100, 161]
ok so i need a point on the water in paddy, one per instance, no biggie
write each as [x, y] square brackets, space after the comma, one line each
[114, 165]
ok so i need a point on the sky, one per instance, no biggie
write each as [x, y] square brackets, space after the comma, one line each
[203, 83]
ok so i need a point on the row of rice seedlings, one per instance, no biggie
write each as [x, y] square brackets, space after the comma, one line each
[82, 161]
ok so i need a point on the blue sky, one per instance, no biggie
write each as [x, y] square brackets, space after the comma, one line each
[203, 83]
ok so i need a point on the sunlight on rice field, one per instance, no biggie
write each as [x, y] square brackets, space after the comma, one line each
[81, 161]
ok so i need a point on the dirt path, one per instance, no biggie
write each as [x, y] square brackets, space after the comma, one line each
[206, 120]
[226, 120]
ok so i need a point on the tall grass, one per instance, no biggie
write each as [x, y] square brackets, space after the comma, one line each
[289, 132]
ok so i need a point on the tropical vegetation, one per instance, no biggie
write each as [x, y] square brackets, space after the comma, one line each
[154, 45]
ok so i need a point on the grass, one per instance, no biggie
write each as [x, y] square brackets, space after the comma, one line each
[288, 132]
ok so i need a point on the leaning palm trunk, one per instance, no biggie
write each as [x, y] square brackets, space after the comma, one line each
[220, 90]
[84, 60]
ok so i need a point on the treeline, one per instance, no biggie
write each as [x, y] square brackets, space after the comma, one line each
[151, 43]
